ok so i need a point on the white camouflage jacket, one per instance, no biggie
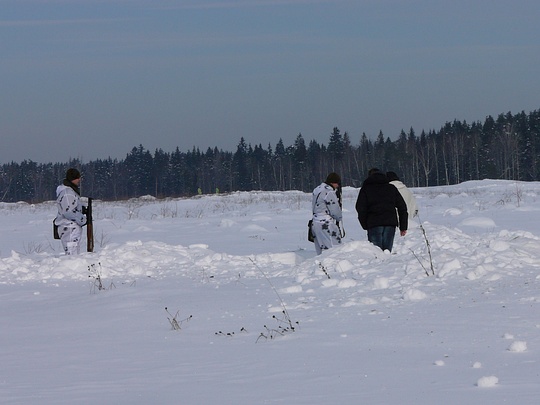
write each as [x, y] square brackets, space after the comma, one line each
[69, 207]
[408, 196]
[325, 203]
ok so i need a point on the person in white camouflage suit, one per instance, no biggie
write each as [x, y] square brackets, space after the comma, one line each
[70, 218]
[408, 196]
[327, 214]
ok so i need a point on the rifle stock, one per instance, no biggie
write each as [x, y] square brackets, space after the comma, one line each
[89, 227]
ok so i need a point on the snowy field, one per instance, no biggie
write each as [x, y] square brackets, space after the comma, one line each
[255, 317]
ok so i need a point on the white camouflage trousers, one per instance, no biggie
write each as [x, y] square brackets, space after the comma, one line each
[70, 236]
[326, 234]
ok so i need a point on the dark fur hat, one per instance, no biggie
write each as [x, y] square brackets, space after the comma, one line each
[333, 178]
[73, 174]
[391, 176]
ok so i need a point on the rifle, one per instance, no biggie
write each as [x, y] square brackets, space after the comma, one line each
[89, 227]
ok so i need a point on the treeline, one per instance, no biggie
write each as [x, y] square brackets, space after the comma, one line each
[503, 148]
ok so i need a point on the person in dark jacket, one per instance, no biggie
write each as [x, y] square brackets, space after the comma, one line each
[376, 205]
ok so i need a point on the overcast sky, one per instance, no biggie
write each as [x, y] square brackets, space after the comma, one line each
[92, 79]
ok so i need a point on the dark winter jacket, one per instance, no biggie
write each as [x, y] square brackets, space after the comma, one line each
[377, 203]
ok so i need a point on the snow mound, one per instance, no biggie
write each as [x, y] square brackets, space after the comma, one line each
[518, 346]
[487, 382]
[479, 222]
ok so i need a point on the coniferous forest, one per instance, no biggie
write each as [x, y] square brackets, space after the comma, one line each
[507, 147]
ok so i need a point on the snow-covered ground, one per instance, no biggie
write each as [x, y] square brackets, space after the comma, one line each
[262, 319]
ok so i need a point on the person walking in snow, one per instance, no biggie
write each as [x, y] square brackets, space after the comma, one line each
[408, 196]
[70, 218]
[376, 205]
[327, 214]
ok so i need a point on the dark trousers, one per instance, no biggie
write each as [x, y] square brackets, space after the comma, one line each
[382, 236]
